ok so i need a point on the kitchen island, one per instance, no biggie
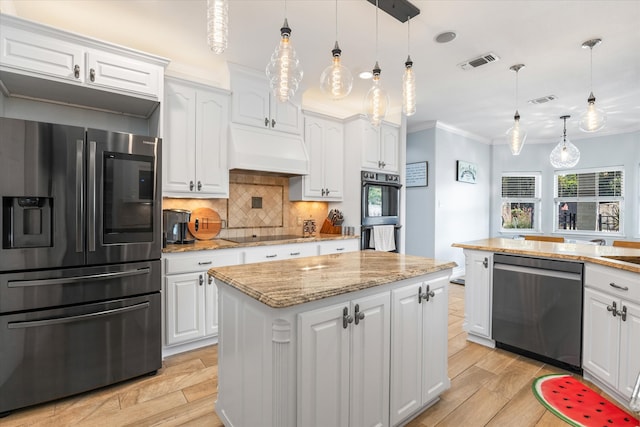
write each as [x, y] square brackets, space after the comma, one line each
[608, 302]
[356, 338]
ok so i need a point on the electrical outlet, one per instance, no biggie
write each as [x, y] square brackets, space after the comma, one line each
[299, 220]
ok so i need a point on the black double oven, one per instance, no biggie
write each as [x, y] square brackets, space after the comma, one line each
[80, 253]
[380, 204]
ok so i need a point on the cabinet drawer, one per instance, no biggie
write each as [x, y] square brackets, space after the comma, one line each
[279, 252]
[339, 246]
[621, 283]
[199, 261]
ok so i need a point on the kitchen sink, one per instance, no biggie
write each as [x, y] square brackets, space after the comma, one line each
[631, 259]
[251, 239]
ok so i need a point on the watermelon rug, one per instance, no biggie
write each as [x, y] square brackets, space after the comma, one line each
[577, 404]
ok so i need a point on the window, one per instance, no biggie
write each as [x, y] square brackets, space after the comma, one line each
[589, 201]
[520, 202]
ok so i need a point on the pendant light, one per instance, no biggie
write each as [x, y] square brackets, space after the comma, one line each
[336, 80]
[408, 79]
[376, 101]
[217, 25]
[284, 71]
[516, 135]
[593, 119]
[565, 155]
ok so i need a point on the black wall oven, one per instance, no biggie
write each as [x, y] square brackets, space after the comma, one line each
[380, 203]
[80, 252]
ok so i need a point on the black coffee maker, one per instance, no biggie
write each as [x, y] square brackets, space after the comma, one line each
[175, 223]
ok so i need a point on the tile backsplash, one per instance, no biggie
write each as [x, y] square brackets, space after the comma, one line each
[246, 189]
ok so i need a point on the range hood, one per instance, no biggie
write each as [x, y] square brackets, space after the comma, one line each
[265, 150]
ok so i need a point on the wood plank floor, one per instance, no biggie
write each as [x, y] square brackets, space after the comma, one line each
[488, 388]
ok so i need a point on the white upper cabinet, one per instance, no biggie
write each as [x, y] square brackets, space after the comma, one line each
[40, 62]
[380, 145]
[195, 140]
[253, 104]
[324, 139]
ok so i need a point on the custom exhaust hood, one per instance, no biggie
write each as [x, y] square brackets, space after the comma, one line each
[261, 150]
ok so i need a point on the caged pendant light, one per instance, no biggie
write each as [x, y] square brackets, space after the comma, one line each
[217, 25]
[376, 101]
[284, 71]
[336, 80]
[516, 135]
[408, 79]
[593, 119]
[565, 155]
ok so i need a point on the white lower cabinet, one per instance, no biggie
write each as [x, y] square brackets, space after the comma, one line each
[611, 348]
[344, 364]
[339, 246]
[478, 292]
[418, 346]
[191, 299]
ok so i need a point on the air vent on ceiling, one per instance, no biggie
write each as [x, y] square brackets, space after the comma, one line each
[543, 100]
[481, 60]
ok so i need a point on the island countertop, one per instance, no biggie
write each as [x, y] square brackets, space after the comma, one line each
[291, 282]
[610, 256]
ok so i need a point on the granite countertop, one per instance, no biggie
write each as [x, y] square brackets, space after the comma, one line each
[628, 258]
[206, 245]
[313, 278]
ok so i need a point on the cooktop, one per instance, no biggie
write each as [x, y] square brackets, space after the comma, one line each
[250, 239]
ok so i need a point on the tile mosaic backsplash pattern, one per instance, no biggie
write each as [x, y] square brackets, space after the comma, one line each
[291, 212]
[242, 212]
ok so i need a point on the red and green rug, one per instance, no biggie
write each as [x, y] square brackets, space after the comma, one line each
[577, 404]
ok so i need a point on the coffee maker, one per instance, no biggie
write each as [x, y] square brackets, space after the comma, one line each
[175, 223]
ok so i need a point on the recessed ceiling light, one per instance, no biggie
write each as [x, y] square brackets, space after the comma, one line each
[445, 37]
[365, 75]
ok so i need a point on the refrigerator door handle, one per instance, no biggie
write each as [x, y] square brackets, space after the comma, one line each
[70, 319]
[91, 198]
[79, 195]
[65, 280]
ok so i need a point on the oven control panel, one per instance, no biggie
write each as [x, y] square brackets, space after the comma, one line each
[380, 177]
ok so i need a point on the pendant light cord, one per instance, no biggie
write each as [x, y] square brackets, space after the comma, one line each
[591, 69]
[517, 90]
[376, 31]
[409, 35]
[336, 20]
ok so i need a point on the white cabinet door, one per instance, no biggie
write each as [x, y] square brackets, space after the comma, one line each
[179, 148]
[211, 307]
[370, 344]
[370, 147]
[435, 312]
[40, 54]
[477, 293]
[212, 119]
[601, 337]
[324, 140]
[253, 104]
[110, 71]
[195, 141]
[185, 307]
[323, 382]
[406, 352]
[629, 348]
[389, 147]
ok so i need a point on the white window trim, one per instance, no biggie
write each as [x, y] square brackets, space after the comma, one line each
[594, 233]
[537, 200]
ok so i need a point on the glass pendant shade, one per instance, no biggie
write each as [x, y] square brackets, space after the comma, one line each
[376, 101]
[217, 25]
[565, 155]
[593, 119]
[336, 80]
[516, 136]
[408, 89]
[284, 71]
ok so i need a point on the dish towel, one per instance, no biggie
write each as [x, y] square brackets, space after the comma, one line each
[383, 238]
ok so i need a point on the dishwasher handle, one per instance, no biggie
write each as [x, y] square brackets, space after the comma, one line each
[538, 271]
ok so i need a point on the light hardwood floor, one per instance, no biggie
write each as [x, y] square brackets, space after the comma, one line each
[488, 388]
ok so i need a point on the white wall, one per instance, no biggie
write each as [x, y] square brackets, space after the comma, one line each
[447, 211]
[616, 150]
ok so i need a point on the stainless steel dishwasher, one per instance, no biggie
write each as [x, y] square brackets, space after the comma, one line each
[537, 308]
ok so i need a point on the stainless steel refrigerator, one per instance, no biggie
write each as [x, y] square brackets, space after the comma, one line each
[80, 256]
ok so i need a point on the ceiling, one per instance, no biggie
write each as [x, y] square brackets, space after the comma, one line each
[546, 36]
